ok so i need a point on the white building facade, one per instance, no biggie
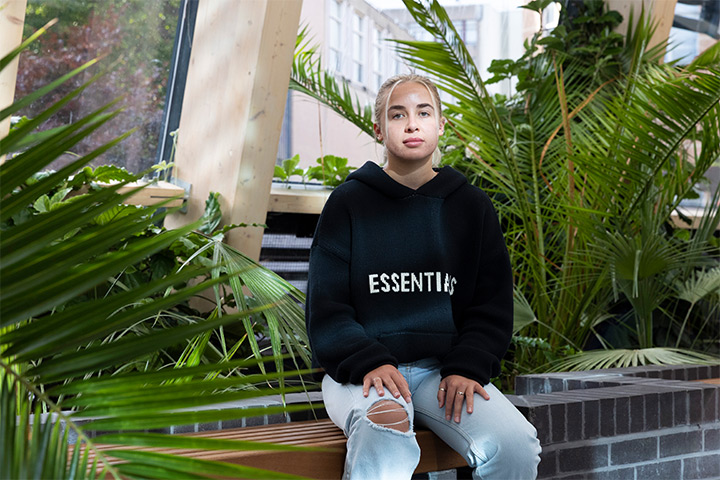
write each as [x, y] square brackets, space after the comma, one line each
[353, 34]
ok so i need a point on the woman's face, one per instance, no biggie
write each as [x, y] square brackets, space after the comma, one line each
[413, 125]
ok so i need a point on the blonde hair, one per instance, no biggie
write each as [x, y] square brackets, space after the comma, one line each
[380, 115]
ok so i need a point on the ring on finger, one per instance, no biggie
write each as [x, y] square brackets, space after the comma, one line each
[377, 379]
[441, 389]
[461, 393]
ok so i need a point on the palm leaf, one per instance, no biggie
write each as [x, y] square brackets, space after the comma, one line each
[160, 465]
[450, 64]
[622, 358]
[308, 77]
[559, 185]
[53, 337]
[285, 322]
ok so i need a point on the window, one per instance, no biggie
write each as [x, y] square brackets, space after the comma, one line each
[419, 33]
[378, 60]
[471, 33]
[358, 48]
[335, 40]
[696, 26]
[550, 17]
[139, 34]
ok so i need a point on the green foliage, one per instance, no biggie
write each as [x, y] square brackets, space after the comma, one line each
[308, 77]
[586, 164]
[27, 447]
[202, 247]
[622, 358]
[330, 170]
[96, 319]
[587, 41]
[212, 215]
[101, 174]
[289, 168]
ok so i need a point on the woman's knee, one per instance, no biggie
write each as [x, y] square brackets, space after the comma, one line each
[389, 414]
[516, 449]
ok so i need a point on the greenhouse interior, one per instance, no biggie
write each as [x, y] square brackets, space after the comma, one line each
[179, 184]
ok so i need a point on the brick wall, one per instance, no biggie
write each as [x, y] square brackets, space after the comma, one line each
[631, 423]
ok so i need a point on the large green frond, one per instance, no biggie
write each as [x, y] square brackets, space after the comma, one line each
[66, 335]
[309, 77]
[622, 358]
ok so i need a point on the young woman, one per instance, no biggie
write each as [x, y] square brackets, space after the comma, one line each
[410, 305]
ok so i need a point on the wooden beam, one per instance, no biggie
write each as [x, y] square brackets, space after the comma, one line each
[153, 193]
[662, 11]
[12, 20]
[290, 200]
[232, 110]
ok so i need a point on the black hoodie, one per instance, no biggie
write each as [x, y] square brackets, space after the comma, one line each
[398, 275]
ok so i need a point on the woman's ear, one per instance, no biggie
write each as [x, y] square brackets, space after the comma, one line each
[378, 132]
[442, 125]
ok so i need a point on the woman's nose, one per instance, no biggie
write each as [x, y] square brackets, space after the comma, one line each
[411, 125]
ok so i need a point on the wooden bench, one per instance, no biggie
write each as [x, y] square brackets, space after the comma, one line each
[436, 455]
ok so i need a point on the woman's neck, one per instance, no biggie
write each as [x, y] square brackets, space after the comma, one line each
[412, 176]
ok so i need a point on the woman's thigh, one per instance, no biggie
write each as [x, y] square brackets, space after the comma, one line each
[345, 403]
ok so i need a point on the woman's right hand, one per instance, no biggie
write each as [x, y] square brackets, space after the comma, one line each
[387, 376]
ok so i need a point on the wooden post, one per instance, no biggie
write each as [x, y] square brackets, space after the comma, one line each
[232, 110]
[12, 20]
[662, 11]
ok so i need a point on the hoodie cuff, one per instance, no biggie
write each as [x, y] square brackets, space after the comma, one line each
[477, 365]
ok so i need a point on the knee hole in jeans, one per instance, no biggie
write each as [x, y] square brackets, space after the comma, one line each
[389, 414]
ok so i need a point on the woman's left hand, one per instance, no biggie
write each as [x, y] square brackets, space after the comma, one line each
[454, 391]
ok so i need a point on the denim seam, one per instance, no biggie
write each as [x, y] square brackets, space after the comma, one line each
[346, 427]
[471, 443]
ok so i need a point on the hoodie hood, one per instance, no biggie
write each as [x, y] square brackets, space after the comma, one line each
[440, 186]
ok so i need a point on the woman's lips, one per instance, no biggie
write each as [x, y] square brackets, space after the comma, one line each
[413, 142]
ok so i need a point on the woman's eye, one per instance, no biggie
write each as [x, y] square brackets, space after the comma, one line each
[397, 115]
[424, 114]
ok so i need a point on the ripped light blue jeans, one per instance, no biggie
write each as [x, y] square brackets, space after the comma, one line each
[495, 439]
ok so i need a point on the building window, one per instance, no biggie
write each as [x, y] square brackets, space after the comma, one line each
[471, 33]
[468, 31]
[335, 56]
[419, 33]
[140, 33]
[378, 60]
[696, 27]
[358, 73]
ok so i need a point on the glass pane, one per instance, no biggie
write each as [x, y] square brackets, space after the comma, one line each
[696, 26]
[336, 9]
[135, 37]
[335, 38]
[471, 33]
[335, 60]
[358, 44]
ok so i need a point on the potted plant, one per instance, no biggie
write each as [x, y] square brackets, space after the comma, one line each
[586, 164]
